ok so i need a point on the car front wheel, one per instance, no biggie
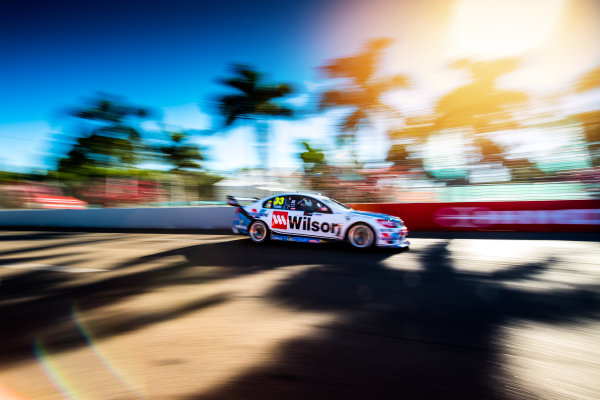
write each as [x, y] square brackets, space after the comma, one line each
[259, 233]
[361, 236]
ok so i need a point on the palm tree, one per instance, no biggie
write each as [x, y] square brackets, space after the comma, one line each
[363, 89]
[254, 101]
[109, 139]
[180, 154]
[481, 106]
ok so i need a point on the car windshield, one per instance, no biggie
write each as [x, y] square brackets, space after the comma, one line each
[336, 204]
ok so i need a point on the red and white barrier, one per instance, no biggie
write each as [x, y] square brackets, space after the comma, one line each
[520, 216]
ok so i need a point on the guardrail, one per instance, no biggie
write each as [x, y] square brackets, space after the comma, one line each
[123, 218]
[519, 216]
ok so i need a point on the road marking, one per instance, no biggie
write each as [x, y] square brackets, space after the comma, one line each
[55, 268]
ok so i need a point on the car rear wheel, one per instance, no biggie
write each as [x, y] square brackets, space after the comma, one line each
[361, 236]
[259, 233]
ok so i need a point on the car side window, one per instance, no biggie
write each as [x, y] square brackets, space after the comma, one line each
[304, 203]
[320, 207]
[268, 203]
[309, 204]
[296, 203]
[291, 203]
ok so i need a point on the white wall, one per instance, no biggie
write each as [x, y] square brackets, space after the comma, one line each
[171, 218]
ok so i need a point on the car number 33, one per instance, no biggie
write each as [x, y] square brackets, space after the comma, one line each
[314, 218]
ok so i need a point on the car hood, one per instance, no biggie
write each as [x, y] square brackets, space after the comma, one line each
[372, 215]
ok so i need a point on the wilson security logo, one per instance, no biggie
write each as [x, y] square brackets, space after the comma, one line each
[279, 220]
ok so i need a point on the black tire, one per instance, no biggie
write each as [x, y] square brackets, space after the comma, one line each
[361, 236]
[258, 232]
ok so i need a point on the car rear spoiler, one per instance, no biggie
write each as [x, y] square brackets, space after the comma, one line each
[235, 201]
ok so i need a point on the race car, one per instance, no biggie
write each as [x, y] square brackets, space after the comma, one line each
[311, 218]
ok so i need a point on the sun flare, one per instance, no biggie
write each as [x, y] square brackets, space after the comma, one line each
[499, 28]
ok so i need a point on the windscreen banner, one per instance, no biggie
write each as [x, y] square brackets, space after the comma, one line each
[518, 216]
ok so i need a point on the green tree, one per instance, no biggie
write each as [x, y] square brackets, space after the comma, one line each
[312, 158]
[362, 90]
[108, 138]
[181, 154]
[253, 101]
[318, 175]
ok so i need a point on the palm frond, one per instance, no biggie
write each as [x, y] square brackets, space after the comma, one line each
[352, 121]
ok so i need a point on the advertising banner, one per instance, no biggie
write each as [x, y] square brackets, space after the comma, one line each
[518, 216]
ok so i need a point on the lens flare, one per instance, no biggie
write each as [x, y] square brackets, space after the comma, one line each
[58, 377]
[102, 357]
[62, 379]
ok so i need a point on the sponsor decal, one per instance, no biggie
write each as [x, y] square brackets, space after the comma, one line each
[287, 238]
[387, 236]
[257, 214]
[278, 202]
[241, 221]
[307, 224]
[279, 220]
[481, 217]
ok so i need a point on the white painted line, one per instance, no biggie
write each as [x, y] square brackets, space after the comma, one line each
[56, 268]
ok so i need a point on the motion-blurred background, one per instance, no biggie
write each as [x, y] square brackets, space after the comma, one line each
[165, 103]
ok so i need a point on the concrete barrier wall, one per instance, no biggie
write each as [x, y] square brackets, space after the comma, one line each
[169, 218]
[524, 216]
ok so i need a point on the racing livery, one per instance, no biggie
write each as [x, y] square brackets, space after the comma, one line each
[311, 218]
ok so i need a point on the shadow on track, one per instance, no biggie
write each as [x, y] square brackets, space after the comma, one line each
[426, 334]
[37, 302]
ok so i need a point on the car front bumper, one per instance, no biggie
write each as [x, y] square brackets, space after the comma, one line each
[393, 237]
[398, 243]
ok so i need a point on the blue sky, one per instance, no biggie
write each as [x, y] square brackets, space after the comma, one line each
[167, 55]
[161, 54]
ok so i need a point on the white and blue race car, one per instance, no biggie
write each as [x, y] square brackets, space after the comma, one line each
[311, 218]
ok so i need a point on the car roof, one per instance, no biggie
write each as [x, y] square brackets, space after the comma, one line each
[315, 195]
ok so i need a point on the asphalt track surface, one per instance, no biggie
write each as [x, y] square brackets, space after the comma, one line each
[125, 315]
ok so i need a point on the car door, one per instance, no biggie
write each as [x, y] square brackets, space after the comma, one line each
[322, 221]
[292, 215]
[295, 216]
